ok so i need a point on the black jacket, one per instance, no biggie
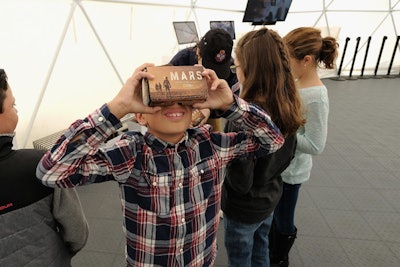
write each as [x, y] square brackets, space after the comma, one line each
[253, 187]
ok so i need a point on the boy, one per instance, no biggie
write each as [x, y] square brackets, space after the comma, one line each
[170, 177]
[40, 226]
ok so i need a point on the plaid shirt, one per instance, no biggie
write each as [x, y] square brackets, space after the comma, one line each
[170, 193]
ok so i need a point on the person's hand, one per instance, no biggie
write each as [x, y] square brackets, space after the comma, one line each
[220, 96]
[129, 98]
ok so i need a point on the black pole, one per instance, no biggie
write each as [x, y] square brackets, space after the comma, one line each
[365, 60]
[392, 59]
[338, 78]
[354, 60]
[379, 57]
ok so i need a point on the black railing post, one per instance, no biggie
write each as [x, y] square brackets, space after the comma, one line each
[354, 60]
[338, 78]
[379, 58]
[392, 59]
[365, 60]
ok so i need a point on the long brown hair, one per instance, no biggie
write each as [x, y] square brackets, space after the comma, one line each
[304, 41]
[268, 81]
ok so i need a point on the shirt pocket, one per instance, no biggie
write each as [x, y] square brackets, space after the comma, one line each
[156, 197]
[203, 181]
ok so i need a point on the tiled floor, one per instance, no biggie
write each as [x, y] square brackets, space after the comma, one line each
[348, 213]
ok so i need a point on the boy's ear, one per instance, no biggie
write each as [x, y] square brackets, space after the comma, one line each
[141, 119]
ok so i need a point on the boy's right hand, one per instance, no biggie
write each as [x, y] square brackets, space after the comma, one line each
[129, 98]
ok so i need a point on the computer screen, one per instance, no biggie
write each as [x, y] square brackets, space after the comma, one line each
[186, 32]
[227, 25]
[266, 12]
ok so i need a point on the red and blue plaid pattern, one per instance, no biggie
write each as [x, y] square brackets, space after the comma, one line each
[170, 193]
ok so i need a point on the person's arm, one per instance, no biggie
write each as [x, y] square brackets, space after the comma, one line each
[313, 139]
[257, 131]
[72, 224]
[77, 157]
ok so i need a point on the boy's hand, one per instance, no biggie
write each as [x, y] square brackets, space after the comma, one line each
[129, 98]
[220, 96]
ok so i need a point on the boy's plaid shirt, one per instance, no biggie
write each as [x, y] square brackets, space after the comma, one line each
[170, 193]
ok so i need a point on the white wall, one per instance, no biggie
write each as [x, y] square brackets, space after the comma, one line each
[81, 76]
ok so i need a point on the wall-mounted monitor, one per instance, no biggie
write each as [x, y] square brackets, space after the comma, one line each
[266, 12]
[186, 32]
[227, 25]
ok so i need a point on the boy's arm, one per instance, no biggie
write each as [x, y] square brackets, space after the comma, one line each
[258, 135]
[257, 131]
[77, 158]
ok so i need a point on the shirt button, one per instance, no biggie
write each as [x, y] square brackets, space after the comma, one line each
[181, 250]
[183, 220]
[100, 119]
[201, 171]
[180, 184]
[154, 183]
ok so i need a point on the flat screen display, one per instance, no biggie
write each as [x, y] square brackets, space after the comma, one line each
[227, 25]
[266, 12]
[186, 32]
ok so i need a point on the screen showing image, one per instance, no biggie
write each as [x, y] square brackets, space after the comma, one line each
[186, 32]
[228, 26]
[266, 12]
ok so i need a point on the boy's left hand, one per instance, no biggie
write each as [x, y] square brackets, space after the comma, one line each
[220, 96]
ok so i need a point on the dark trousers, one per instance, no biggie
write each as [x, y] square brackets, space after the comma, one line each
[284, 211]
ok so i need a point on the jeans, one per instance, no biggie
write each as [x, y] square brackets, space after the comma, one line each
[247, 244]
[284, 211]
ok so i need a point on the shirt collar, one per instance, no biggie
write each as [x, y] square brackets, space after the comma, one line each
[158, 144]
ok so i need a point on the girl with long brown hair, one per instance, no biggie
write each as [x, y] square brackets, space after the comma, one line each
[252, 188]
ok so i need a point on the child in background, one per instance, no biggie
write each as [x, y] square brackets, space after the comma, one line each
[253, 187]
[213, 51]
[40, 226]
[308, 50]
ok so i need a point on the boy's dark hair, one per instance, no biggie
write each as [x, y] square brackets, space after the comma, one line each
[3, 88]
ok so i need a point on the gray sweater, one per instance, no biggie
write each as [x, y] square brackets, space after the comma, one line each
[40, 226]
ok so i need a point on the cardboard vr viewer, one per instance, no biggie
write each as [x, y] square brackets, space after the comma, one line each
[182, 84]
